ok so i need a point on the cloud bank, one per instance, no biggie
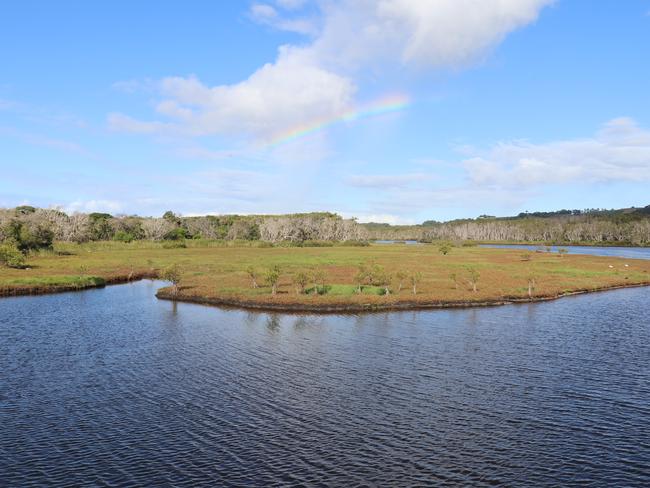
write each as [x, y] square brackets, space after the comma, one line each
[320, 80]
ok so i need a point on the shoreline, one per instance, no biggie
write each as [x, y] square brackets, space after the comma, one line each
[354, 308]
[312, 308]
[7, 291]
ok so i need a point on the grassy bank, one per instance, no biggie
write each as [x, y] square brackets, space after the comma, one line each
[218, 274]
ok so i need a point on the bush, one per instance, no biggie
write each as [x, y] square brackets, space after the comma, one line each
[122, 236]
[173, 274]
[29, 237]
[444, 248]
[177, 234]
[11, 256]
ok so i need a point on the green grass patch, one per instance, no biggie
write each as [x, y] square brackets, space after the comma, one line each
[54, 281]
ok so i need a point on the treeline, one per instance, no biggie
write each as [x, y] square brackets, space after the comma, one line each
[26, 228]
[593, 226]
[34, 228]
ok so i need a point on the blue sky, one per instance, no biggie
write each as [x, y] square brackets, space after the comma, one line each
[504, 106]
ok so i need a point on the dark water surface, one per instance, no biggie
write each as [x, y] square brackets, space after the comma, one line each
[114, 388]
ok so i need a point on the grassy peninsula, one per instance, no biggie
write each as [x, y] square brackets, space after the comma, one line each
[336, 278]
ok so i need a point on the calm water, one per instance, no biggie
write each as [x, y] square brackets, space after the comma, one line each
[621, 252]
[114, 388]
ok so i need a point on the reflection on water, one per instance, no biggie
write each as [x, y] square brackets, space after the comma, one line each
[112, 387]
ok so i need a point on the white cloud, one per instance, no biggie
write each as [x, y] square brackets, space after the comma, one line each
[268, 15]
[421, 33]
[262, 12]
[316, 81]
[620, 151]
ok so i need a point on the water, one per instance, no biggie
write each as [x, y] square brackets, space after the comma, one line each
[115, 388]
[408, 242]
[621, 252]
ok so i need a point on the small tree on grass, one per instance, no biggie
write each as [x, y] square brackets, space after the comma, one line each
[83, 269]
[444, 248]
[532, 281]
[11, 256]
[252, 274]
[562, 251]
[526, 256]
[360, 277]
[384, 279]
[454, 277]
[415, 278]
[300, 280]
[173, 274]
[272, 277]
[474, 276]
[400, 277]
[319, 278]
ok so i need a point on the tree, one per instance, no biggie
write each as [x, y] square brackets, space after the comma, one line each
[252, 274]
[11, 256]
[531, 285]
[123, 236]
[272, 276]
[444, 248]
[400, 276]
[29, 236]
[384, 279]
[474, 276]
[319, 278]
[173, 274]
[454, 277]
[360, 277]
[415, 278]
[300, 280]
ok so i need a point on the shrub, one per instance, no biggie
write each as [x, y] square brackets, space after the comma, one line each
[454, 277]
[400, 277]
[252, 274]
[526, 256]
[444, 248]
[122, 236]
[532, 282]
[415, 279]
[29, 237]
[562, 251]
[272, 276]
[173, 274]
[319, 278]
[360, 277]
[11, 256]
[474, 276]
[177, 234]
[300, 280]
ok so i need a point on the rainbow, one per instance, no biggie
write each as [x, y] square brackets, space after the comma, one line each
[385, 105]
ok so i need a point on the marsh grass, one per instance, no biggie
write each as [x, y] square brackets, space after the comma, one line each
[213, 269]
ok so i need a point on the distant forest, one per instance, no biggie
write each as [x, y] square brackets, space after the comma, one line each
[629, 226]
[28, 228]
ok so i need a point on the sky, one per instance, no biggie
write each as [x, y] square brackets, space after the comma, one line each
[393, 111]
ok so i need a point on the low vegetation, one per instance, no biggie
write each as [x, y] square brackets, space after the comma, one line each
[337, 278]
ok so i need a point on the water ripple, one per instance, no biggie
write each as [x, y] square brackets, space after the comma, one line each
[551, 394]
